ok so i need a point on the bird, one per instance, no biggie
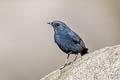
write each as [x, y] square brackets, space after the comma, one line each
[68, 41]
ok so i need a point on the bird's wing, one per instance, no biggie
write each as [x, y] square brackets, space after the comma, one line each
[76, 39]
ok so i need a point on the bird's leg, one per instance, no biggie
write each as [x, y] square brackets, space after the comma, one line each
[75, 58]
[67, 59]
[66, 62]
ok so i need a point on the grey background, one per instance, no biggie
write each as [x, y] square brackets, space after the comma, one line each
[27, 48]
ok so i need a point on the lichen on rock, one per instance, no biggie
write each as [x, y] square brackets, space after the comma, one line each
[103, 64]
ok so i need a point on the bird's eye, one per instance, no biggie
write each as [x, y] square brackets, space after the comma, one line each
[56, 25]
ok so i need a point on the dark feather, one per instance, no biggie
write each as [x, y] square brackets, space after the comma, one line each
[67, 40]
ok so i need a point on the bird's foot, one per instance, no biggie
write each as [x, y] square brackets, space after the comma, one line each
[69, 63]
[65, 65]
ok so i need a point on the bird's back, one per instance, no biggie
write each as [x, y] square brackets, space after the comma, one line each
[66, 42]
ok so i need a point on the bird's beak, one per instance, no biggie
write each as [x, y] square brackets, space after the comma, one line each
[49, 23]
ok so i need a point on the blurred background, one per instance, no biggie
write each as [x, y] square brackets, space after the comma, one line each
[27, 48]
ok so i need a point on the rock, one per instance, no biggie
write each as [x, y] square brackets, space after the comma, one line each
[103, 64]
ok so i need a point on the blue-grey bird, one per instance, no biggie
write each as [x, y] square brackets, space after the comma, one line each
[67, 40]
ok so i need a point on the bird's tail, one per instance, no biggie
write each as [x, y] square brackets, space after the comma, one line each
[84, 51]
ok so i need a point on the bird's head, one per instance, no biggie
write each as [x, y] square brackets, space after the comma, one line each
[58, 25]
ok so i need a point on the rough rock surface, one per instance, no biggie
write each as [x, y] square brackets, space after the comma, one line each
[103, 64]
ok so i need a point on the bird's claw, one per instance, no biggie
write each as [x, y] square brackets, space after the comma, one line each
[65, 65]
[69, 63]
